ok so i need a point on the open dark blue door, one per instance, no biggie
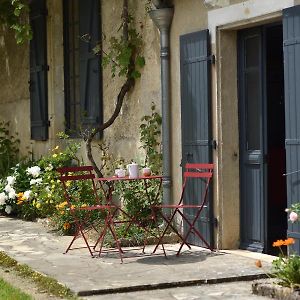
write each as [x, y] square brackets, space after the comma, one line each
[195, 120]
[252, 162]
[291, 46]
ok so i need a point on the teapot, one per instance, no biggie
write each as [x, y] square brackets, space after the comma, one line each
[133, 170]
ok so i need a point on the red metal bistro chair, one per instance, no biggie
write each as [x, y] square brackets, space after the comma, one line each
[77, 197]
[192, 170]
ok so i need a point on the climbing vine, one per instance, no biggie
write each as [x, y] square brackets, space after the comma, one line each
[124, 57]
[14, 15]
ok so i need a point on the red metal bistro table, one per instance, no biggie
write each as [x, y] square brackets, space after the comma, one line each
[107, 185]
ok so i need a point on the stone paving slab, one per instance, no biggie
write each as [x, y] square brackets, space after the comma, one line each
[33, 244]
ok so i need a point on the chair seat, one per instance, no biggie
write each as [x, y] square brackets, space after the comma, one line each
[95, 207]
[177, 206]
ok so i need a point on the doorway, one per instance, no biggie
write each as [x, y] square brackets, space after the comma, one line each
[262, 137]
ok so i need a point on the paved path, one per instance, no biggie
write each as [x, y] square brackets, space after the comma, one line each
[33, 244]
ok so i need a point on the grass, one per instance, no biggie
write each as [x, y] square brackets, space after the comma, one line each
[44, 283]
[7, 291]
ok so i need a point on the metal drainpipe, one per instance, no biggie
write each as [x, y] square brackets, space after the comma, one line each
[162, 18]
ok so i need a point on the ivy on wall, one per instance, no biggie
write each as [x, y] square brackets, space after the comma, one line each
[14, 15]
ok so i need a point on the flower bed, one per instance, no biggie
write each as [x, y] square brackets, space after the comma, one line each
[33, 189]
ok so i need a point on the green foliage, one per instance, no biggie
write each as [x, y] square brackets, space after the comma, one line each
[287, 270]
[150, 137]
[14, 14]
[33, 190]
[7, 291]
[9, 149]
[121, 52]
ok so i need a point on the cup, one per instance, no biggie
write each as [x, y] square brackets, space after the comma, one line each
[120, 172]
[146, 171]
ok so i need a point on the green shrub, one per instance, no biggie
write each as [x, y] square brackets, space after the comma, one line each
[286, 268]
[9, 149]
[33, 189]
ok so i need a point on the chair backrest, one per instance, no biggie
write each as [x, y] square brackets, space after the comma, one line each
[78, 173]
[198, 170]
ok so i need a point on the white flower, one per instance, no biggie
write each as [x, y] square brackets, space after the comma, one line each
[8, 209]
[293, 217]
[26, 194]
[11, 180]
[35, 181]
[8, 188]
[12, 194]
[3, 198]
[34, 171]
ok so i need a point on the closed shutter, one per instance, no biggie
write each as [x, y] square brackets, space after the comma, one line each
[38, 72]
[195, 119]
[291, 48]
[90, 65]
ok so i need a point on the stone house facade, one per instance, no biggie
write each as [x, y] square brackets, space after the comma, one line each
[233, 80]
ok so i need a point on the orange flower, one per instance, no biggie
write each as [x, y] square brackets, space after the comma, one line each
[67, 226]
[286, 242]
[278, 243]
[289, 241]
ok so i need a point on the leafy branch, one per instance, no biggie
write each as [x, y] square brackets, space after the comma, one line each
[14, 14]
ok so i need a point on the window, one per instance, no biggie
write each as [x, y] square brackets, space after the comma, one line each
[82, 75]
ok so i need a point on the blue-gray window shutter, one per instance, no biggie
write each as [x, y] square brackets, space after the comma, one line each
[291, 50]
[195, 69]
[38, 72]
[90, 65]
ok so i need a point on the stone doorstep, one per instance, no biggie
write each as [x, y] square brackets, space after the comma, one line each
[173, 284]
[270, 289]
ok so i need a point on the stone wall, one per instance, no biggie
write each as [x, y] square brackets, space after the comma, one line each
[14, 92]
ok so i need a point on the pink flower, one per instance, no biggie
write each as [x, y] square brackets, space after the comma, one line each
[293, 217]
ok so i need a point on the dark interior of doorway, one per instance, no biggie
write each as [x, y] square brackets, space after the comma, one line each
[276, 202]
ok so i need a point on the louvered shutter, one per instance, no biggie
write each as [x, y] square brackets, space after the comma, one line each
[195, 68]
[90, 66]
[38, 72]
[291, 50]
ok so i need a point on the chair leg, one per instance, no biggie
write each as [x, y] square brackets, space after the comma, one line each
[169, 224]
[70, 245]
[192, 228]
[113, 232]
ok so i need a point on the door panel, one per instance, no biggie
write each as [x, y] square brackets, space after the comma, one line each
[251, 139]
[195, 119]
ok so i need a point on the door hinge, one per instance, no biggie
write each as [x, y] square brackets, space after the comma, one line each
[212, 59]
[49, 123]
[214, 144]
[216, 222]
